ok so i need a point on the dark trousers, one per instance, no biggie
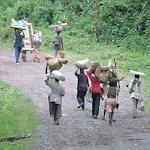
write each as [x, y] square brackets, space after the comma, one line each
[95, 103]
[56, 110]
[80, 97]
[50, 106]
[17, 53]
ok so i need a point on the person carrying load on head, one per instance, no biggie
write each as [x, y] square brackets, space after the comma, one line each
[82, 87]
[57, 92]
[136, 91]
[110, 104]
[19, 35]
[95, 89]
[58, 42]
[36, 46]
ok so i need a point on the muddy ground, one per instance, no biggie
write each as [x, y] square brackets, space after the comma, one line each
[77, 129]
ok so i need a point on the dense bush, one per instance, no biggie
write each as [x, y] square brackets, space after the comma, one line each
[125, 23]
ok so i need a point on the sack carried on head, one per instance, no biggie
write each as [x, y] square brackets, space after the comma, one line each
[84, 64]
[104, 76]
[54, 64]
[59, 28]
[49, 57]
[62, 60]
[116, 75]
[94, 66]
[57, 75]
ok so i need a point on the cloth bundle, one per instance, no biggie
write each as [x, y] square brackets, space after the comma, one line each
[84, 64]
[55, 63]
[57, 75]
[94, 66]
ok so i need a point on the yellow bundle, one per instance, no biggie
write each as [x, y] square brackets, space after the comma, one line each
[120, 75]
[54, 64]
[49, 57]
[104, 75]
[62, 60]
[62, 54]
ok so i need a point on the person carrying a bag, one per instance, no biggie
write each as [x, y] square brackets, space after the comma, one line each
[82, 87]
[136, 91]
[96, 93]
[58, 43]
[19, 35]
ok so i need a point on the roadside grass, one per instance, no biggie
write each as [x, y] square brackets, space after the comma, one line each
[17, 118]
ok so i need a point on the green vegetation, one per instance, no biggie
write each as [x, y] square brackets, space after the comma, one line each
[18, 118]
[98, 29]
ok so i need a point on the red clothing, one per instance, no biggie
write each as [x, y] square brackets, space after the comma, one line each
[95, 83]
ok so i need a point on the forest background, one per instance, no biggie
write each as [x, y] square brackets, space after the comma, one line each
[98, 29]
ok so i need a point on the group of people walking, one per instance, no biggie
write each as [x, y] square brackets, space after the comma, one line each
[36, 43]
[18, 44]
[97, 90]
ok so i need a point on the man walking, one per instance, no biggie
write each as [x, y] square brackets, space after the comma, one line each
[19, 35]
[58, 43]
[82, 87]
[57, 92]
[136, 91]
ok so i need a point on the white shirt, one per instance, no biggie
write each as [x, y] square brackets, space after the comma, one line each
[136, 89]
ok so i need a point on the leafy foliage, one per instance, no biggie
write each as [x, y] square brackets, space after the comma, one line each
[125, 23]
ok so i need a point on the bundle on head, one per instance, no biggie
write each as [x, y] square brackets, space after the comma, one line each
[47, 57]
[83, 64]
[94, 66]
[57, 75]
[56, 63]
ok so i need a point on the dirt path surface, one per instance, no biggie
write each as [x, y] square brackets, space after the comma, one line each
[77, 130]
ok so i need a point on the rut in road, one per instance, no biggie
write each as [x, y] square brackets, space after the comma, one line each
[77, 130]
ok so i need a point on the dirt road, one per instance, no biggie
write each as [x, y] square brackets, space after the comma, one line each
[77, 130]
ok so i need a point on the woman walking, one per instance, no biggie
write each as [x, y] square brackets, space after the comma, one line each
[96, 93]
[36, 46]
